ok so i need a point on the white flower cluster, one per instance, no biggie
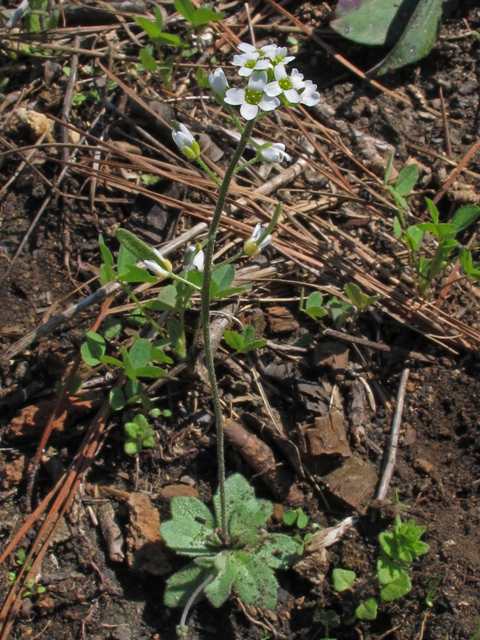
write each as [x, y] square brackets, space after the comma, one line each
[268, 81]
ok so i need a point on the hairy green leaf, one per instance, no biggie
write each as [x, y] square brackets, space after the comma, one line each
[218, 590]
[182, 584]
[238, 490]
[255, 582]
[188, 537]
[193, 508]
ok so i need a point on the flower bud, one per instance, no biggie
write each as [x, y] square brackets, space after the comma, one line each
[185, 141]
[218, 83]
[252, 246]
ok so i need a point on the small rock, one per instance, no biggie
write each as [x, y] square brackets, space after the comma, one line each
[46, 605]
[354, 482]
[329, 437]
[410, 437]
[277, 513]
[122, 632]
[410, 387]
[147, 551]
[13, 472]
[281, 320]
[470, 86]
[331, 354]
[313, 566]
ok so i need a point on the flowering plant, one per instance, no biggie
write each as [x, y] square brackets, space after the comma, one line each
[266, 86]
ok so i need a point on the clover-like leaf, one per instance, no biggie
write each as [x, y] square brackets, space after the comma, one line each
[93, 348]
[139, 354]
[367, 610]
[343, 579]
[397, 588]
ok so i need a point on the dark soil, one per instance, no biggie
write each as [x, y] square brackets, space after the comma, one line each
[436, 480]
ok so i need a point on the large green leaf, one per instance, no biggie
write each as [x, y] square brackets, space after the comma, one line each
[372, 22]
[139, 354]
[255, 582]
[465, 216]
[238, 490]
[182, 584]
[218, 590]
[418, 38]
[193, 508]
[188, 537]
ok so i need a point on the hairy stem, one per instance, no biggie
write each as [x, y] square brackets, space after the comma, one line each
[207, 278]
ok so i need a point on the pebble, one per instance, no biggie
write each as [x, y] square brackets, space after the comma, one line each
[470, 86]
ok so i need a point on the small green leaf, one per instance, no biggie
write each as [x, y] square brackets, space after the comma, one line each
[93, 349]
[132, 273]
[133, 388]
[132, 447]
[108, 271]
[112, 328]
[150, 372]
[255, 582]
[218, 590]
[367, 610]
[116, 399]
[223, 277]
[330, 618]
[343, 579]
[302, 519]
[148, 443]
[397, 588]
[290, 517]
[110, 360]
[397, 229]
[149, 64]
[464, 217]
[433, 210]
[129, 370]
[51, 23]
[357, 297]
[248, 334]
[314, 300]
[415, 235]
[182, 585]
[234, 340]
[139, 353]
[158, 18]
[166, 299]
[407, 179]
[75, 385]
[169, 39]
[150, 28]
[387, 570]
[466, 260]
[124, 258]
[204, 16]
[185, 8]
[256, 344]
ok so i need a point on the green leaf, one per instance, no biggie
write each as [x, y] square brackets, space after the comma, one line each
[248, 335]
[433, 210]
[237, 490]
[218, 590]
[133, 388]
[158, 18]
[204, 16]
[32, 23]
[150, 28]
[129, 370]
[148, 443]
[465, 216]
[249, 516]
[302, 519]
[116, 399]
[149, 64]
[181, 586]
[132, 273]
[290, 517]
[93, 349]
[372, 22]
[343, 579]
[399, 201]
[407, 179]
[330, 618]
[139, 353]
[277, 550]
[415, 235]
[107, 259]
[418, 38]
[397, 229]
[193, 508]
[314, 300]
[387, 570]
[51, 23]
[169, 39]
[124, 258]
[397, 588]
[367, 610]
[132, 447]
[110, 360]
[188, 537]
[223, 277]
[185, 8]
[256, 344]
[357, 297]
[158, 355]
[466, 260]
[255, 582]
[150, 372]
[234, 340]
[166, 299]
[75, 385]
[112, 328]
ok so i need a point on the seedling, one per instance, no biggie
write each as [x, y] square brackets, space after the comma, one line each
[139, 435]
[329, 619]
[247, 560]
[448, 249]
[297, 517]
[339, 310]
[399, 548]
[245, 341]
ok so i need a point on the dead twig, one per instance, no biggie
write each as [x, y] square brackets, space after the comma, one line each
[393, 443]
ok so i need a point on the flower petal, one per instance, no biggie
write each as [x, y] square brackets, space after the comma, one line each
[268, 104]
[280, 73]
[246, 47]
[235, 96]
[292, 96]
[273, 89]
[249, 111]
[258, 81]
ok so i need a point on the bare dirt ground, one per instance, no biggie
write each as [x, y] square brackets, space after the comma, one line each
[104, 570]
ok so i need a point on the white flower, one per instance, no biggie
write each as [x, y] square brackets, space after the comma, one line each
[250, 62]
[289, 86]
[194, 258]
[162, 270]
[185, 141]
[252, 246]
[310, 96]
[218, 82]
[273, 152]
[253, 97]
[277, 54]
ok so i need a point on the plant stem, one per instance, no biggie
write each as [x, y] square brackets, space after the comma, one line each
[210, 173]
[193, 597]
[133, 297]
[207, 278]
